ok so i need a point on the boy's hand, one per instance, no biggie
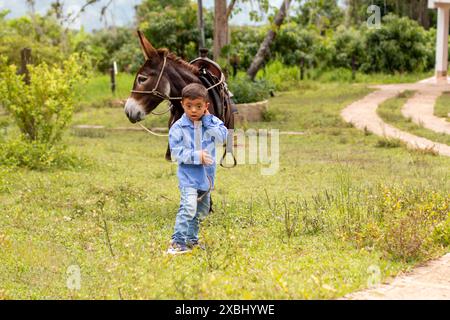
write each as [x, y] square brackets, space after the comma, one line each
[206, 158]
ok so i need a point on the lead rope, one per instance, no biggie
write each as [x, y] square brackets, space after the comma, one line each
[151, 132]
[210, 186]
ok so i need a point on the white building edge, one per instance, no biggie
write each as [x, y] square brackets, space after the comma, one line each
[443, 7]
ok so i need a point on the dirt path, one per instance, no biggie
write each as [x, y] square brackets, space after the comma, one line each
[429, 281]
[362, 114]
[420, 108]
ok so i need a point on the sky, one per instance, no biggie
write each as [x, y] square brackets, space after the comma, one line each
[121, 12]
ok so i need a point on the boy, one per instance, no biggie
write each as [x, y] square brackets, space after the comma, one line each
[192, 142]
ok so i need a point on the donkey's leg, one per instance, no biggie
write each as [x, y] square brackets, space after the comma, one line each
[168, 157]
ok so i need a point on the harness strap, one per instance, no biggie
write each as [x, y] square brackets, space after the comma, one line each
[203, 195]
[228, 149]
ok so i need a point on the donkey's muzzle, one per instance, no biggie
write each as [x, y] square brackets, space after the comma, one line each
[134, 111]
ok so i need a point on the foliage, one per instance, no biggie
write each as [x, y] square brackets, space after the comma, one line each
[356, 11]
[41, 110]
[348, 48]
[118, 44]
[398, 45]
[295, 44]
[245, 42]
[42, 35]
[320, 14]
[247, 91]
[280, 76]
[38, 155]
[173, 24]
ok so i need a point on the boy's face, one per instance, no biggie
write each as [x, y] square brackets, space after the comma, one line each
[194, 108]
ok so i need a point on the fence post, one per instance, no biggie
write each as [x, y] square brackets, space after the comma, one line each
[113, 77]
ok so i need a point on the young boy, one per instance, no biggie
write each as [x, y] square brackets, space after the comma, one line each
[192, 142]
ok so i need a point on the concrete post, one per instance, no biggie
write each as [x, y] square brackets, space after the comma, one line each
[442, 42]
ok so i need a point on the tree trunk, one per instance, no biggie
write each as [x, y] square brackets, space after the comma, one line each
[220, 27]
[265, 45]
[201, 26]
[424, 18]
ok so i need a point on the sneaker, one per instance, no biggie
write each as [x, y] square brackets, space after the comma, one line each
[196, 244]
[178, 248]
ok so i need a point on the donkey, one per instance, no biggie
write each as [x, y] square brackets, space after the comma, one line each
[162, 77]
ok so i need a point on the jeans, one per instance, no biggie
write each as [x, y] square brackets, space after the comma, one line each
[190, 214]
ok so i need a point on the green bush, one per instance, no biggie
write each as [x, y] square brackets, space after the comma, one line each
[399, 45]
[247, 91]
[279, 76]
[348, 48]
[245, 42]
[38, 156]
[442, 232]
[41, 110]
[295, 45]
[43, 35]
[173, 25]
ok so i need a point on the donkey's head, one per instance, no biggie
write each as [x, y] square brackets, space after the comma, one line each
[161, 77]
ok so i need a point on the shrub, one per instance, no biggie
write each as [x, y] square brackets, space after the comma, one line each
[403, 222]
[295, 44]
[442, 232]
[348, 48]
[245, 42]
[247, 91]
[410, 217]
[280, 76]
[38, 156]
[41, 110]
[399, 45]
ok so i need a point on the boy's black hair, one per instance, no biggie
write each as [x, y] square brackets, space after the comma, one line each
[195, 91]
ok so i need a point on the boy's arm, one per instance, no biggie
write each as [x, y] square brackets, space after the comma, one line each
[179, 151]
[215, 128]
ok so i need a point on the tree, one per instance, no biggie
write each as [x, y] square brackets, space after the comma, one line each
[295, 46]
[221, 35]
[173, 24]
[356, 10]
[322, 14]
[348, 49]
[265, 45]
[222, 15]
[399, 45]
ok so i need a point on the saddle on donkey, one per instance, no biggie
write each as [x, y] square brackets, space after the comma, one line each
[212, 77]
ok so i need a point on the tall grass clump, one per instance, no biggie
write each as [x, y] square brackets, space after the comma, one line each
[406, 223]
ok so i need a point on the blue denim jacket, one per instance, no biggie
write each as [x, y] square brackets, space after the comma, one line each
[186, 143]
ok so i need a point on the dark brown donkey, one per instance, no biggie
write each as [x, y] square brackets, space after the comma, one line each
[163, 76]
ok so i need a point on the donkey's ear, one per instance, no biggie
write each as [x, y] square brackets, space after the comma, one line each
[147, 48]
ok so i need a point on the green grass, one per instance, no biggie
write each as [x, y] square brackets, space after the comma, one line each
[442, 107]
[390, 112]
[53, 219]
[283, 77]
[98, 88]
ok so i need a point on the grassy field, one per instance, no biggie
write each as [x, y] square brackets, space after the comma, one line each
[333, 213]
